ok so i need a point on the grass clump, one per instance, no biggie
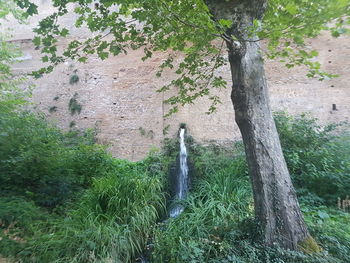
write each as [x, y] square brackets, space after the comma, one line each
[221, 198]
[112, 221]
[309, 246]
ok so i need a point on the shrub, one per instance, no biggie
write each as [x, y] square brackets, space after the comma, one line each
[317, 157]
[331, 229]
[44, 164]
[113, 220]
[17, 221]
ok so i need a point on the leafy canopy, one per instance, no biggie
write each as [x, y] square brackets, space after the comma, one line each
[190, 28]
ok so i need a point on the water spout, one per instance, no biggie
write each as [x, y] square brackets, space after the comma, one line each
[182, 179]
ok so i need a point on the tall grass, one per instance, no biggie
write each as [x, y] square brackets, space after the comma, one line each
[218, 224]
[120, 205]
[112, 222]
[221, 198]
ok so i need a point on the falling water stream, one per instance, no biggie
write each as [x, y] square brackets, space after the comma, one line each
[181, 184]
[182, 179]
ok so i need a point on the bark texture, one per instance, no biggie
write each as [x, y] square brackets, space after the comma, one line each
[276, 204]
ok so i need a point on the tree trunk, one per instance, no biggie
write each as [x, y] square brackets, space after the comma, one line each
[276, 204]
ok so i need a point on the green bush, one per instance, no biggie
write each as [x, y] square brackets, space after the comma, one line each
[17, 221]
[44, 164]
[331, 228]
[18, 213]
[318, 158]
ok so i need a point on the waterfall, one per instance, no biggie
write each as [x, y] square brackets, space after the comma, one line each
[182, 179]
[181, 186]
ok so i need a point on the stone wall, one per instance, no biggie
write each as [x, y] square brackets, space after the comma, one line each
[118, 96]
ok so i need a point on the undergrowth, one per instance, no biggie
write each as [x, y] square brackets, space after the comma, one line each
[218, 222]
[111, 222]
[221, 198]
[41, 163]
[318, 157]
[64, 199]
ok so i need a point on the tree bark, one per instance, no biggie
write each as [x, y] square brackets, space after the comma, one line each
[276, 204]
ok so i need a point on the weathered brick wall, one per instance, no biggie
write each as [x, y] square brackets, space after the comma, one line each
[118, 95]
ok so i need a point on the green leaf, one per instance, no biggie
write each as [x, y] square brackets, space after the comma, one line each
[45, 59]
[292, 9]
[64, 32]
[32, 9]
[103, 55]
[314, 53]
[225, 23]
[37, 41]
[82, 59]
[322, 214]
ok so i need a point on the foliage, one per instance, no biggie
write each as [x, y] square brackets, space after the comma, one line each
[17, 220]
[73, 105]
[188, 27]
[287, 24]
[53, 109]
[331, 229]
[10, 95]
[119, 213]
[41, 163]
[43, 166]
[112, 221]
[220, 200]
[74, 78]
[318, 158]
[17, 212]
[217, 224]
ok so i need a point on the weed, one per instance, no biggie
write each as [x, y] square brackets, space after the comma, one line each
[142, 131]
[166, 130]
[73, 105]
[148, 134]
[74, 78]
[52, 109]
